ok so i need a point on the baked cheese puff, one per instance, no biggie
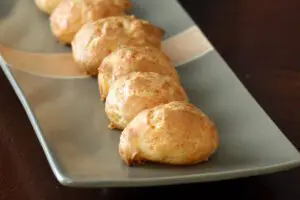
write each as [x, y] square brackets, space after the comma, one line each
[176, 133]
[96, 40]
[136, 91]
[47, 6]
[129, 59]
[70, 15]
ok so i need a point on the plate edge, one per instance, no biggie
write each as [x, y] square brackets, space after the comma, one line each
[184, 179]
[32, 118]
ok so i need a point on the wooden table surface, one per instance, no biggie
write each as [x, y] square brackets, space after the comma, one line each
[260, 41]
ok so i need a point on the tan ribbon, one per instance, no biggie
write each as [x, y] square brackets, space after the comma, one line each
[181, 48]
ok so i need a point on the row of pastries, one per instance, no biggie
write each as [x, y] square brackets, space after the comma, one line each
[137, 81]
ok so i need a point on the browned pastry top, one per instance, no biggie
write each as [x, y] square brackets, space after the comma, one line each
[129, 59]
[68, 17]
[176, 133]
[137, 91]
[95, 40]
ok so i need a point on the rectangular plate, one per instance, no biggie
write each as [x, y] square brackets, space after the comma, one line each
[69, 119]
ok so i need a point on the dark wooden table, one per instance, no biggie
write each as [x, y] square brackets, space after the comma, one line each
[260, 39]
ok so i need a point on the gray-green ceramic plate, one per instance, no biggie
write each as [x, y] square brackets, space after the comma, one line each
[69, 120]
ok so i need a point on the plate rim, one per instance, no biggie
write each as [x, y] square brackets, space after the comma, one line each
[183, 179]
[138, 182]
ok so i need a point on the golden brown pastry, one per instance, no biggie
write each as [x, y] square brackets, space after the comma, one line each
[70, 15]
[177, 133]
[129, 59]
[66, 20]
[47, 6]
[95, 40]
[136, 91]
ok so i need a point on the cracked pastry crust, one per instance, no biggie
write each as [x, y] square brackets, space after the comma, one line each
[70, 15]
[134, 92]
[96, 40]
[177, 133]
[129, 59]
[47, 6]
